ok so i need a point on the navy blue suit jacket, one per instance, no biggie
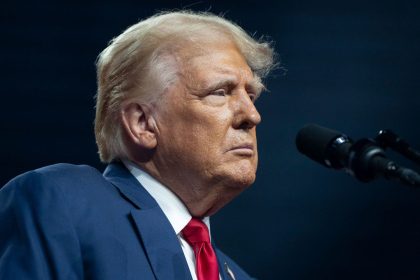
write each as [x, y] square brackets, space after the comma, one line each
[71, 222]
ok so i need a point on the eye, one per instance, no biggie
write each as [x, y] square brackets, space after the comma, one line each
[217, 97]
[252, 96]
[219, 92]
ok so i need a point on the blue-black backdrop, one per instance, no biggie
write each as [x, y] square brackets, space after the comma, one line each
[351, 66]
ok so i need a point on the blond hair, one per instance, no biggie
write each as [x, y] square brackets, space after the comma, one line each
[139, 63]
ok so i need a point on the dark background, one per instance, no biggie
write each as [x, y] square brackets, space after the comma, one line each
[351, 66]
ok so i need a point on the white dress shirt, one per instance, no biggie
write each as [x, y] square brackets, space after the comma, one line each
[172, 206]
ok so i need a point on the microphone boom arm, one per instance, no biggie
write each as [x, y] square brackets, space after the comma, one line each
[365, 159]
[387, 138]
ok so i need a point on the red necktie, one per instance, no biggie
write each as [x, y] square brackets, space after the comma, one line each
[196, 234]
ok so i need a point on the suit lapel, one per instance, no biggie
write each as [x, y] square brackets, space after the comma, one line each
[128, 186]
[224, 269]
[155, 231]
[161, 244]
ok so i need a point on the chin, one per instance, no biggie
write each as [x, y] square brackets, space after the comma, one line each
[243, 178]
[237, 174]
[245, 181]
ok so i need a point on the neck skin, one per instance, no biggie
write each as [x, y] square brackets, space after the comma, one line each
[201, 199]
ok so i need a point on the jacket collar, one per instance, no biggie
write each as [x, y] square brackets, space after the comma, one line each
[129, 187]
[159, 239]
[160, 242]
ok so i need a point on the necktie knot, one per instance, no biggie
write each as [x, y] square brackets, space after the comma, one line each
[196, 232]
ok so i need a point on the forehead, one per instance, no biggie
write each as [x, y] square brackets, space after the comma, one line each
[221, 60]
[219, 65]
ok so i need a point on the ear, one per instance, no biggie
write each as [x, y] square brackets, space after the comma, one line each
[139, 125]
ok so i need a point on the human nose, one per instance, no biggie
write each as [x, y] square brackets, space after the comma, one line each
[246, 114]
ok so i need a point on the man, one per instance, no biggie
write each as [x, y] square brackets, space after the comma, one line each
[175, 120]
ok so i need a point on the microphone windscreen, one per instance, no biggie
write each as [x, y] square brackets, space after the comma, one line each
[314, 141]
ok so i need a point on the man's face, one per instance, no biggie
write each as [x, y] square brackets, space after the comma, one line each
[206, 125]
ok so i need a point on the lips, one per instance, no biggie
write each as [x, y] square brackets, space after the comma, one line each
[244, 146]
[246, 149]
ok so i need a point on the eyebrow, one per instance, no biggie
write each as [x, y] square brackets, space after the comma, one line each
[255, 85]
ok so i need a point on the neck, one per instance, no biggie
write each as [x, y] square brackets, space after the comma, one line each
[200, 198]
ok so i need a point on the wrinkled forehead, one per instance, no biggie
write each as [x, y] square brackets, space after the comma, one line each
[217, 62]
[204, 42]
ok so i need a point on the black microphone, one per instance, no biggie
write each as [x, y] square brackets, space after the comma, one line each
[364, 159]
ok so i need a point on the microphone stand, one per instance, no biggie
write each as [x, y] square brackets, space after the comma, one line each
[389, 139]
[367, 160]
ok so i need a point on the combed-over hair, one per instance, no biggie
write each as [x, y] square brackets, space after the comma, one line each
[139, 63]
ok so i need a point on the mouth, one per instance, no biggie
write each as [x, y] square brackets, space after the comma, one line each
[243, 149]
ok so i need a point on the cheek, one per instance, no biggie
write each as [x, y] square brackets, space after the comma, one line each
[210, 133]
[198, 132]
[195, 143]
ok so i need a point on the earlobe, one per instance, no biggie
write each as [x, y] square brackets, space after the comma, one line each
[139, 125]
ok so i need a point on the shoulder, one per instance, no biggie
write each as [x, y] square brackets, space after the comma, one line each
[39, 221]
[53, 176]
[50, 195]
[64, 172]
[49, 187]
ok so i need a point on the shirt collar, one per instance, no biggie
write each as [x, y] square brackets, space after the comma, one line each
[173, 208]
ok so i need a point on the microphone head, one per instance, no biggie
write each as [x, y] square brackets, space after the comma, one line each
[319, 144]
